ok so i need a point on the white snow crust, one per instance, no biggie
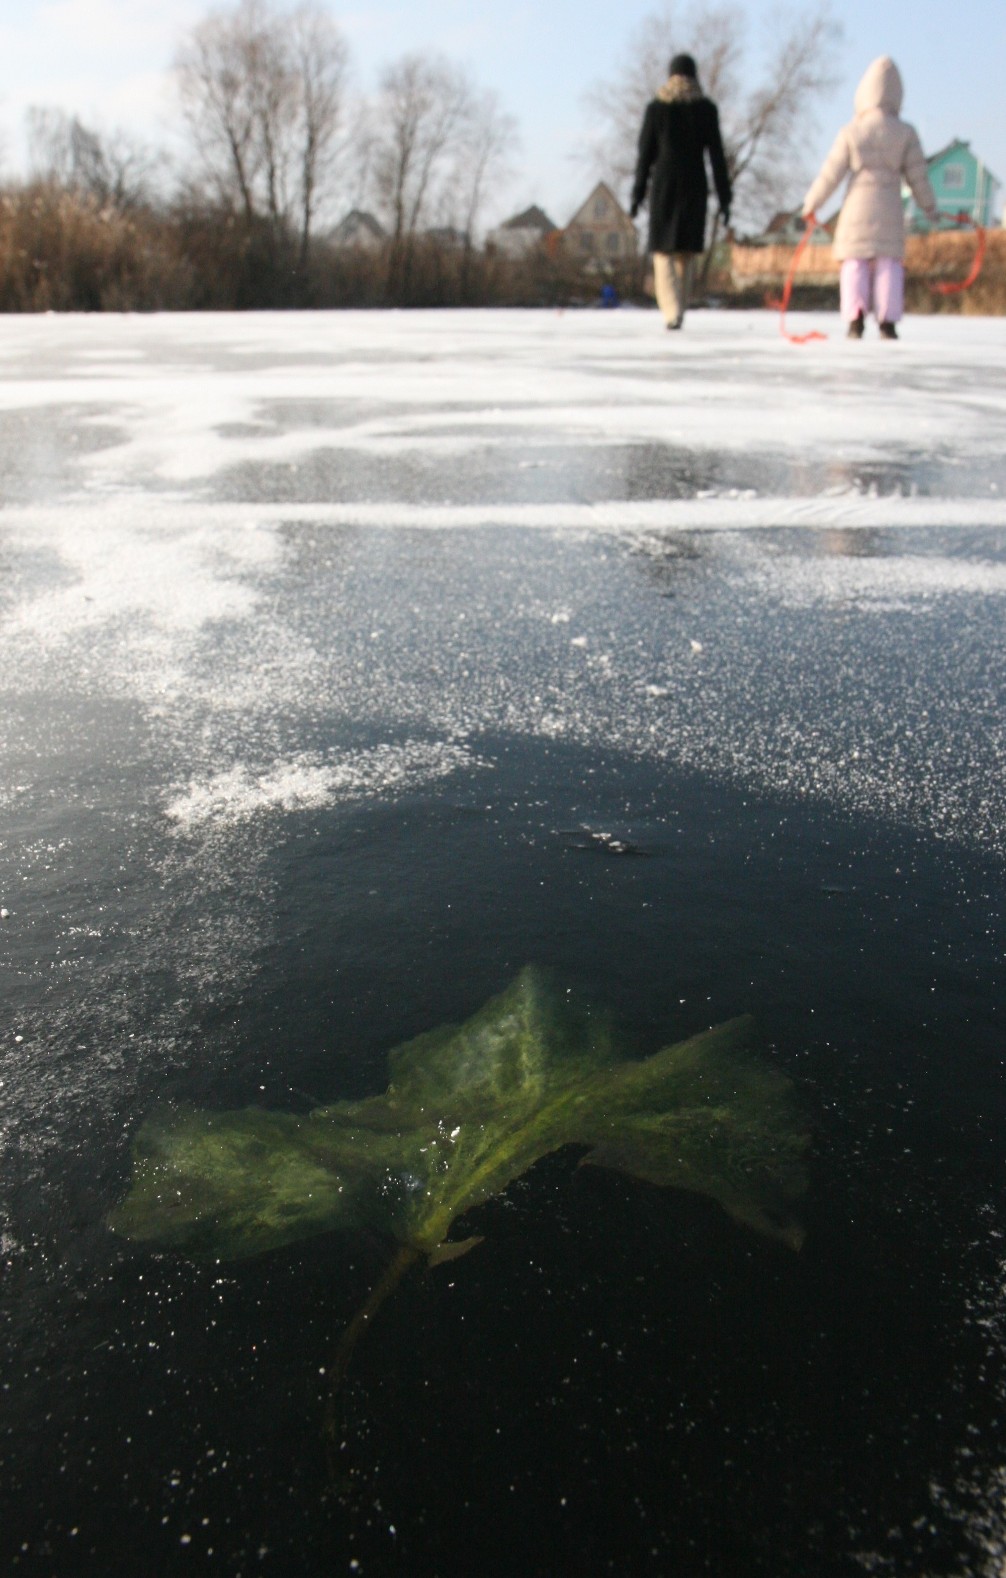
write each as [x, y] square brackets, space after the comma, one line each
[189, 394]
[306, 782]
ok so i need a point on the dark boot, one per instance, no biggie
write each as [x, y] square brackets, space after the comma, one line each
[888, 331]
[855, 329]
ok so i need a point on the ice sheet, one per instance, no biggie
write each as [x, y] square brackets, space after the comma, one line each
[190, 392]
[156, 566]
[261, 571]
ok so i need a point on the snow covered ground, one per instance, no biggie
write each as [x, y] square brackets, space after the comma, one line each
[258, 568]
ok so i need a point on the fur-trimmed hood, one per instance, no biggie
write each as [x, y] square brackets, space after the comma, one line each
[680, 130]
[679, 89]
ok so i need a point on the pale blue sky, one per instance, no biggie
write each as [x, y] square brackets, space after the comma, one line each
[109, 60]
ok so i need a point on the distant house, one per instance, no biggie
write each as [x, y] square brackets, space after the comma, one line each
[963, 185]
[787, 227]
[518, 236]
[447, 237]
[783, 228]
[766, 259]
[600, 235]
[359, 231]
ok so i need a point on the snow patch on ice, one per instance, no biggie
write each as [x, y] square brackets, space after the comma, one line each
[127, 563]
[309, 782]
[389, 384]
[175, 538]
[889, 583]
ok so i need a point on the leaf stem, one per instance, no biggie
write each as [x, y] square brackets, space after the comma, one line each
[405, 1257]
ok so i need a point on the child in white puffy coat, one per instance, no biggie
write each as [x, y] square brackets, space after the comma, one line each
[876, 151]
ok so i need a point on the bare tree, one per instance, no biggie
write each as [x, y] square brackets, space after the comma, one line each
[214, 68]
[321, 63]
[423, 110]
[767, 135]
[360, 179]
[488, 142]
[114, 170]
[764, 126]
[264, 96]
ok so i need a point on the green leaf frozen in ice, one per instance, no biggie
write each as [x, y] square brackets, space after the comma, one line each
[470, 1108]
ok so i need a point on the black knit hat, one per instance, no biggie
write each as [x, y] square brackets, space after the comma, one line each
[683, 66]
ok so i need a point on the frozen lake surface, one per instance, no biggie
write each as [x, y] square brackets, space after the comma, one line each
[341, 655]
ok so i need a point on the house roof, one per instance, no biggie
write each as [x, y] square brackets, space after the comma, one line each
[782, 220]
[951, 147]
[533, 218]
[960, 144]
[791, 218]
[601, 187]
[359, 219]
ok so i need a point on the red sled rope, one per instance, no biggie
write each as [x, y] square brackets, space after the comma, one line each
[943, 287]
[947, 287]
[787, 290]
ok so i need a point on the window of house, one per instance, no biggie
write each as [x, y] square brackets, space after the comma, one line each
[600, 207]
[953, 177]
[586, 241]
[614, 241]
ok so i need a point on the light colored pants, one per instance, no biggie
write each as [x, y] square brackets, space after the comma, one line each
[672, 282]
[876, 282]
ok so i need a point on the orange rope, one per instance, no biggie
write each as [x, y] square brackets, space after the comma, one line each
[944, 287]
[787, 290]
[948, 287]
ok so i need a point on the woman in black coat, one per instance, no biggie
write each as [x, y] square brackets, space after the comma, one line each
[679, 127]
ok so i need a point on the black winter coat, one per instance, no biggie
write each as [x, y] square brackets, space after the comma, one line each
[673, 144]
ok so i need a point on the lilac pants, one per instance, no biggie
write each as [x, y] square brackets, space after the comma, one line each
[876, 282]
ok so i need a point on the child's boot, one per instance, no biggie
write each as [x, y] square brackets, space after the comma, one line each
[855, 329]
[888, 331]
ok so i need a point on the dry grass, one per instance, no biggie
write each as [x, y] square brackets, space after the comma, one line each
[929, 260]
[63, 252]
[756, 268]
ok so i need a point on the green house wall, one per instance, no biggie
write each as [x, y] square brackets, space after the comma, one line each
[962, 184]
